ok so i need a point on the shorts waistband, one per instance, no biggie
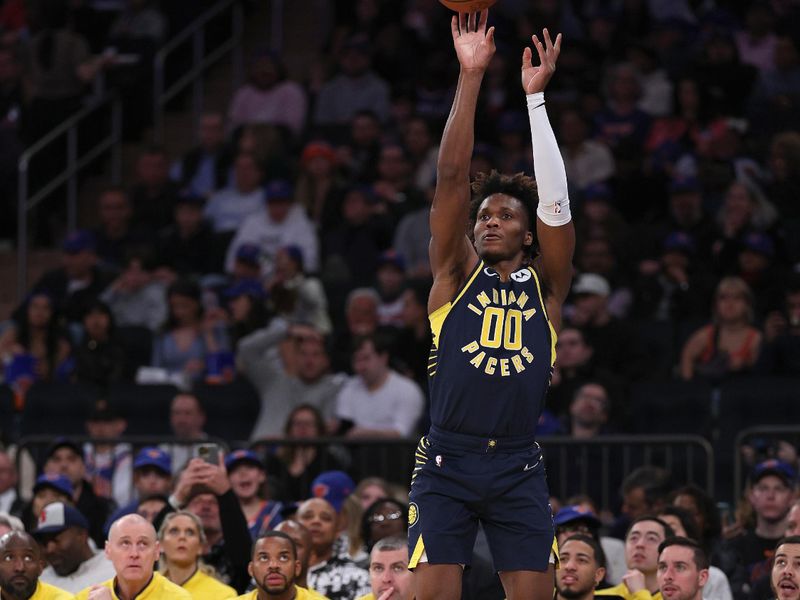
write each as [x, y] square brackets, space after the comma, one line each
[475, 443]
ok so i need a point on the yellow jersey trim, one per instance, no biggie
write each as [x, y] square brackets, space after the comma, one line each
[438, 316]
[553, 334]
[417, 554]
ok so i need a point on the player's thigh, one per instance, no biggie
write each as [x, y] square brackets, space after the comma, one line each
[528, 585]
[438, 582]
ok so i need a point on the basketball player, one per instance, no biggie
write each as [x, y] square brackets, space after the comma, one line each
[494, 310]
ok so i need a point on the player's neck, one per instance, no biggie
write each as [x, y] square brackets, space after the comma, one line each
[587, 596]
[504, 268]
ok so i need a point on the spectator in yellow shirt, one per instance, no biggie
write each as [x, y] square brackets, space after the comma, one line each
[133, 549]
[20, 566]
[182, 541]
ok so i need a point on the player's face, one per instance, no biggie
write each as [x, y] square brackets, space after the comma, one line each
[785, 579]
[578, 572]
[389, 570]
[274, 566]
[501, 228]
[641, 546]
[678, 576]
[20, 566]
[133, 550]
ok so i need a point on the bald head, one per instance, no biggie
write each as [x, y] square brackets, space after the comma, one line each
[129, 523]
[20, 564]
[133, 549]
[18, 538]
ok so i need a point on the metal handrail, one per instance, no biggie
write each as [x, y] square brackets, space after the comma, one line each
[69, 175]
[763, 430]
[200, 62]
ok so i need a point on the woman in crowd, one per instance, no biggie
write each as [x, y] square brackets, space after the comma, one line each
[730, 343]
[182, 543]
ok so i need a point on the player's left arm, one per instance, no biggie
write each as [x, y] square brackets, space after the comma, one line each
[554, 228]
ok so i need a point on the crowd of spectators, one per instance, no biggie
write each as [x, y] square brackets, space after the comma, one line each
[287, 248]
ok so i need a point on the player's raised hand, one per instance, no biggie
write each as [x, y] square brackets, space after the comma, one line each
[473, 43]
[534, 79]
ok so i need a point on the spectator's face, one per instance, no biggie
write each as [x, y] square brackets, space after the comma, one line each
[368, 363]
[674, 523]
[278, 209]
[413, 311]
[731, 305]
[133, 550]
[20, 566]
[247, 174]
[771, 498]
[115, 210]
[386, 520]
[185, 309]
[688, 95]
[573, 129]
[418, 137]
[40, 311]
[370, 494]
[153, 170]
[312, 360]
[392, 165]
[150, 480]
[597, 257]
[206, 507]
[389, 569]
[186, 417]
[785, 578]
[354, 62]
[264, 73]
[319, 517]
[106, 429]
[79, 264]
[688, 503]
[634, 503]
[356, 209]
[588, 307]
[181, 542]
[246, 480]
[571, 350]
[274, 566]
[685, 206]
[285, 265]
[578, 573]
[624, 87]
[589, 408]
[678, 575]
[66, 462]
[738, 204]
[362, 316]
[365, 130]
[97, 324]
[793, 521]
[212, 132]
[240, 307]
[188, 217]
[64, 549]
[390, 279]
[149, 509]
[641, 546]
[8, 473]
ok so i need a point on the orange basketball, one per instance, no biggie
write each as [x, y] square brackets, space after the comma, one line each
[467, 6]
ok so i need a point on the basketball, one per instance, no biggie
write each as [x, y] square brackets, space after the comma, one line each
[467, 6]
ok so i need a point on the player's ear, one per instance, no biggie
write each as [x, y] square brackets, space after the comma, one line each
[528, 238]
[599, 575]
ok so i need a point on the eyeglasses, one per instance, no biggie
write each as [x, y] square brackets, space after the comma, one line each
[378, 518]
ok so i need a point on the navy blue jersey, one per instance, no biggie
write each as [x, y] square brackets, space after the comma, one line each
[492, 356]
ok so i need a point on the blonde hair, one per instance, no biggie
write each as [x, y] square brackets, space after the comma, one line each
[163, 566]
[738, 286]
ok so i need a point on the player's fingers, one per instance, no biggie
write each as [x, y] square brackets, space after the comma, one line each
[548, 43]
[540, 50]
[462, 23]
[490, 35]
[557, 46]
[527, 54]
[484, 18]
[454, 26]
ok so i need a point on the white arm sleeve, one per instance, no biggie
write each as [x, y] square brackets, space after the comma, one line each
[548, 166]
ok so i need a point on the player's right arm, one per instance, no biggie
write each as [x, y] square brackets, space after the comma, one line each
[451, 252]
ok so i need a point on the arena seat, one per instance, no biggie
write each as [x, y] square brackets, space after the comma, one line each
[146, 407]
[231, 409]
[57, 408]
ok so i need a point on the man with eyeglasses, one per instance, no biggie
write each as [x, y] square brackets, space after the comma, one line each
[389, 576]
[641, 556]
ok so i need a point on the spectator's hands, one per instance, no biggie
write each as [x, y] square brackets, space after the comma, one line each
[473, 43]
[215, 477]
[200, 473]
[634, 580]
[535, 79]
[99, 592]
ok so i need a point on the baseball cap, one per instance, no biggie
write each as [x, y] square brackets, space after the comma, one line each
[318, 150]
[64, 442]
[153, 457]
[295, 253]
[591, 283]
[333, 486]
[249, 253]
[56, 481]
[279, 189]
[391, 257]
[57, 516]
[684, 185]
[776, 467]
[576, 512]
[680, 241]
[239, 457]
[247, 287]
[597, 191]
[77, 241]
[759, 243]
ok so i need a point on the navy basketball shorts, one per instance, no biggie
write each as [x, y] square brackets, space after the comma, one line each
[460, 480]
